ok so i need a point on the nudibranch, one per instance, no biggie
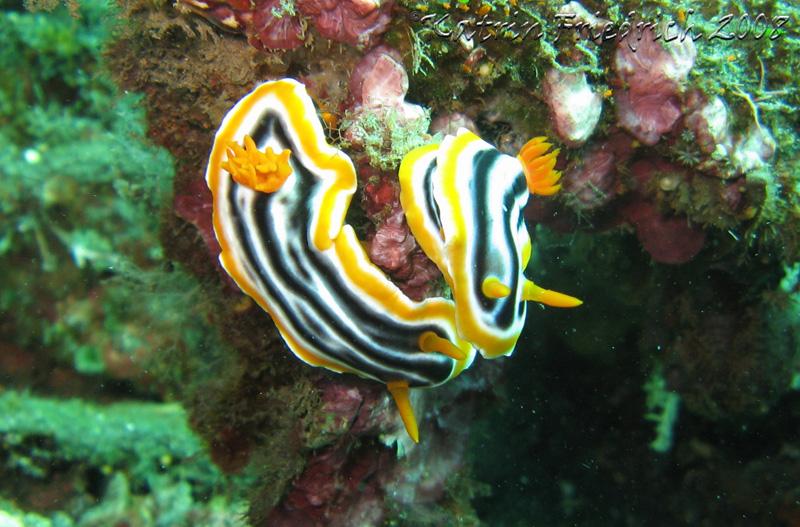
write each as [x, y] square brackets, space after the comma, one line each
[281, 193]
[463, 200]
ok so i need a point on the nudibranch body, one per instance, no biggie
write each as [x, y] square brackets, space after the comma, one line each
[287, 246]
[463, 201]
[281, 193]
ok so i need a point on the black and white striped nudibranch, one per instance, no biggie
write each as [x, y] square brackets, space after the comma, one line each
[280, 198]
[463, 200]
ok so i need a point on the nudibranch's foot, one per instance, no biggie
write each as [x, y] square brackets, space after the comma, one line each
[400, 392]
[531, 291]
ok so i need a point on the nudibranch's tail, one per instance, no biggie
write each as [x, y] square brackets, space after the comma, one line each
[538, 167]
[399, 391]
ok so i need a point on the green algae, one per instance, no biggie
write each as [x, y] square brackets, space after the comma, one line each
[87, 296]
[143, 438]
[135, 444]
[387, 137]
[81, 187]
[662, 408]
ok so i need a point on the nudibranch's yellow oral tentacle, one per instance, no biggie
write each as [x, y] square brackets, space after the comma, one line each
[279, 219]
[399, 391]
[431, 342]
[493, 288]
[533, 292]
[262, 171]
[538, 167]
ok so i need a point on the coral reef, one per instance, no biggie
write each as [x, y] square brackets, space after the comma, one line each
[672, 393]
[266, 410]
[643, 168]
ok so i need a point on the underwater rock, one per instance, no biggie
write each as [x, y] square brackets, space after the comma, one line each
[450, 123]
[709, 121]
[380, 83]
[423, 476]
[731, 352]
[668, 239]
[590, 186]
[594, 180]
[278, 25]
[649, 105]
[265, 22]
[359, 23]
[753, 150]
[574, 106]
[733, 195]
[353, 408]
[352, 478]
[196, 207]
[230, 449]
[392, 247]
[337, 489]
